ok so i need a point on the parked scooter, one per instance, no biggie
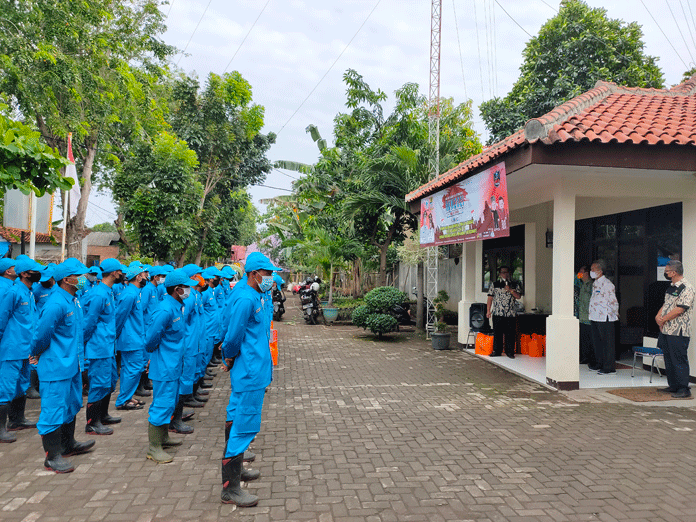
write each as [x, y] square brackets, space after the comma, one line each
[278, 299]
[309, 297]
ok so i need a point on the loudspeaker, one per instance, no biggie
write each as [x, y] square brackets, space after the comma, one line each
[478, 322]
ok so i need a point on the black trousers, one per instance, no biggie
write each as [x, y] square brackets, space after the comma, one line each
[504, 334]
[587, 355]
[603, 341]
[675, 348]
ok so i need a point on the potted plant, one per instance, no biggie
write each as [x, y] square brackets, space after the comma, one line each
[441, 335]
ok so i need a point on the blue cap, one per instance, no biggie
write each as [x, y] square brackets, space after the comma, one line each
[47, 272]
[133, 271]
[257, 261]
[278, 280]
[94, 270]
[167, 269]
[22, 256]
[70, 266]
[5, 263]
[147, 268]
[227, 272]
[135, 263]
[178, 277]
[26, 264]
[111, 265]
[156, 271]
[192, 269]
[211, 272]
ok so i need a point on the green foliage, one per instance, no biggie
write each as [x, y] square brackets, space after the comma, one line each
[26, 163]
[384, 298]
[360, 315]
[688, 74]
[440, 311]
[381, 323]
[104, 227]
[573, 50]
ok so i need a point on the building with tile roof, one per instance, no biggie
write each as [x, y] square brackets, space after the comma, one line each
[609, 174]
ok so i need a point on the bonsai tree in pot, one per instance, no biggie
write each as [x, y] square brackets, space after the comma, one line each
[441, 334]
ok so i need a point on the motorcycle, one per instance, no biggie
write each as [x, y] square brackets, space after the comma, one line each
[278, 298]
[309, 297]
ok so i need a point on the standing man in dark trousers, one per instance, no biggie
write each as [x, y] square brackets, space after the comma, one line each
[58, 350]
[604, 312]
[245, 350]
[165, 344]
[17, 322]
[100, 347]
[674, 320]
[587, 355]
[502, 298]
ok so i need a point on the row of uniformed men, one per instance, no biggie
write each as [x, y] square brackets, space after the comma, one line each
[183, 323]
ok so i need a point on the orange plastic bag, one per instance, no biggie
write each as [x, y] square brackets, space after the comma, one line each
[535, 349]
[524, 343]
[541, 341]
[484, 344]
[274, 352]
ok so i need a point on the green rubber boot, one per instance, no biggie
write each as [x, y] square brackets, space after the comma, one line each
[156, 436]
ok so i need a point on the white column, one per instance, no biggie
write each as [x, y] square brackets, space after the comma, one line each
[468, 262]
[688, 249]
[530, 266]
[562, 328]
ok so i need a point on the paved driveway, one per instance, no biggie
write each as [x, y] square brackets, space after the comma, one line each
[360, 430]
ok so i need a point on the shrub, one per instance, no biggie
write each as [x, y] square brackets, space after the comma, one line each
[384, 298]
[359, 316]
[376, 313]
[381, 323]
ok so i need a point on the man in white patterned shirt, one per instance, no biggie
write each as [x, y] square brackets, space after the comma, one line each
[674, 320]
[604, 311]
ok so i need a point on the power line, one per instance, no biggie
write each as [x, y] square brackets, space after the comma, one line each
[516, 23]
[285, 174]
[194, 32]
[459, 43]
[478, 46]
[686, 19]
[245, 37]
[679, 29]
[331, 67]
[171, 4]
[663, 34]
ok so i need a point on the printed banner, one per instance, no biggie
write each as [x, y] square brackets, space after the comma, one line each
[474, 209]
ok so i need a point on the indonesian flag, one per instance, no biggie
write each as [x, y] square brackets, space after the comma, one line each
[71, 172]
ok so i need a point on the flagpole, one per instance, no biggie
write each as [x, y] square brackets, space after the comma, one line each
[66, 197]
[32, 225]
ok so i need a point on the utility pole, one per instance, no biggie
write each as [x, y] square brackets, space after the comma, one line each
[434, 147]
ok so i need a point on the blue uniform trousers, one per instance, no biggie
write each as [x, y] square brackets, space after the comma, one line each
[246, 422]
[232, 404]
[100, 378]
[14, 379]
[131, 368]
[114, 374]
[60, 402]
[188, 374]
[164, 398]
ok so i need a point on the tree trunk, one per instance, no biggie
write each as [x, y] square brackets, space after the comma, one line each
[382, 278]
[420, 319]
[76, 226]
[202, 245]
[331, 283]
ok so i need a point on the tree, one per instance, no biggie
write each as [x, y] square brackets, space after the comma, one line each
[104, 227]
[688, 74]
[26, 163]
[90, 68]
[158, 195]
[573, 50]
[222, 125]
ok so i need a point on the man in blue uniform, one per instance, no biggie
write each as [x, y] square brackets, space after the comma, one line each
[17, 320]
[130, 337]
[150, 299]
[165, 343]
[57, 347]
[245, 349]
[42, 291]
[7, 274]
[100, 341]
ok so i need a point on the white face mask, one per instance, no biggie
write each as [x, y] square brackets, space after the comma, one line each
[187, 292]
[593, 275]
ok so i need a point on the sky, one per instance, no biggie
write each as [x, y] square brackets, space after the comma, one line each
[295, 52]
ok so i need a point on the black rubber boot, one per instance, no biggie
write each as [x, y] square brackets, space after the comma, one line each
[16, 419]
[248, 455]
[85, 383]
[141, 391]
[53, 448]
[70, 445]
[104, 410]
[197, 396]
[33, 391]
[207, 377]
[177, 425]
[205, 385]
[210, 373]
[190, 402]
[187, 415]
[5, 436]
[94, 423]
[232, 493]
[148, 383]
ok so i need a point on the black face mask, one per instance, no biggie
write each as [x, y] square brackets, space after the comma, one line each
[35, 277]
[142, 283]
[120, 279]
[205, 287]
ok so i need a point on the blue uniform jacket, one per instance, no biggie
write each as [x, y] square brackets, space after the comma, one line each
[247, 339]
[17, 319]
[5, 285]
[165, 340]
[41, 294]
[212, 317]
[100, 323]
[58, 338]
[161, 292]
[150, 299]
[192, 335]
[130, 328]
